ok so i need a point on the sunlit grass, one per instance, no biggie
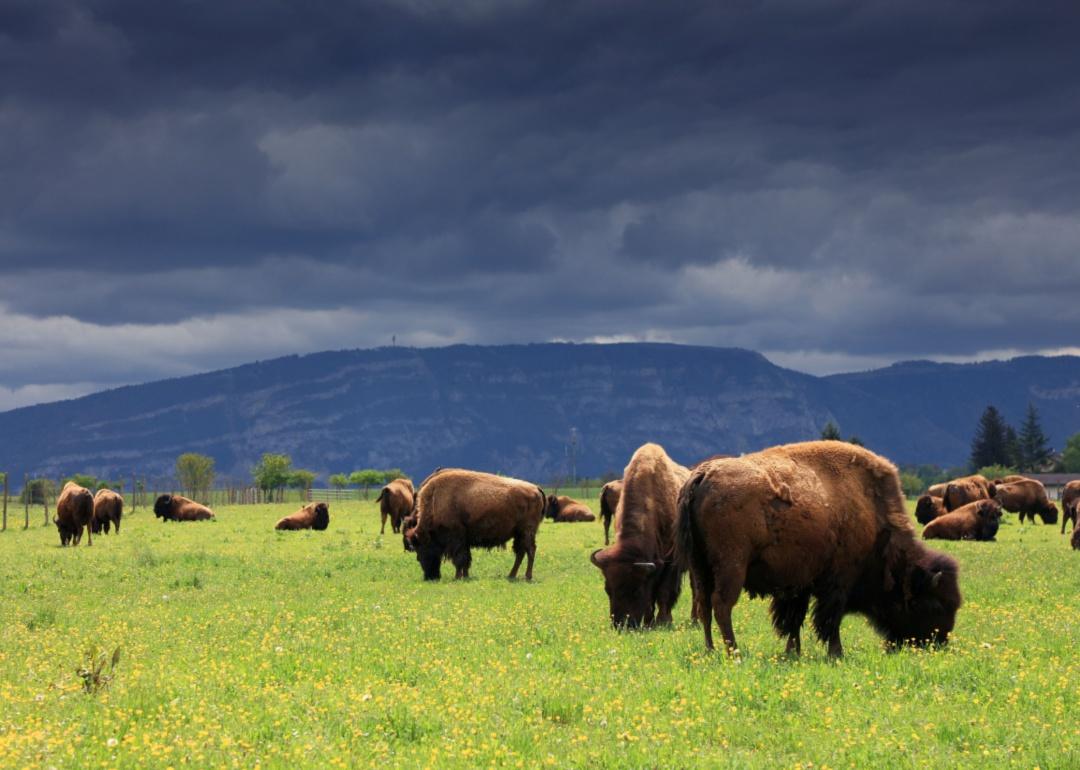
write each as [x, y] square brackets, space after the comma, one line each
[244, 647]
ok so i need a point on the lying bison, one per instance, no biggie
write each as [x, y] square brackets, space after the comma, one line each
[1070, 500]
[640, 578]
[561, 508]
[1027, 498]
[929, 508]
[937, 490]
[177, 508]
[108, 510]
[975, 521]
[74, 511]
[967, 489]
[609, 500]
[824, 519]
[311, 516]
[395, 502]
[458, 510]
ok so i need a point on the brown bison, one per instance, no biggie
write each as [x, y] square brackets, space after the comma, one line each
[458, 510]
[929, 508]
[1070, 501]
[1009, 479]
[311, 516]
[395, 502]
[74, 511]
[641, 579]
[177, 508]
[1027, 498]
[823, 519]
[967, 489]
[937, 490]
[1075, 539]
[609, 501]
[561, 508]
[975, 521]
[108, 509]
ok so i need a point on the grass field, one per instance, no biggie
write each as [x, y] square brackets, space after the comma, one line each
[244, 647]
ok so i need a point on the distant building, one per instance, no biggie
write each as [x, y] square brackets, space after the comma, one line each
[1054, 482]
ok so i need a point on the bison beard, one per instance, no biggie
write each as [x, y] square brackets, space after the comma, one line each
[821, 520]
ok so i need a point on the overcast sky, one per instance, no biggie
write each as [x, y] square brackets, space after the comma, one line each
[839, 185]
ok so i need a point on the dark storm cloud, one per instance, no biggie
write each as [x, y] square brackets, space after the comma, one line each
[839, 180]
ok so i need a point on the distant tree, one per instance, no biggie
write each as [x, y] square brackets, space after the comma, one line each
[302, 479]
[990, 445]
[997, 471]
[1070, 457]
[338, 480]
[912, 485]
[1012, 447]
[84, 480]
[367, 478]
[195, 472]
[392, 473]
[37, 490]
[272, 472]
[1034, 448]
[855, 440]
[831, 432]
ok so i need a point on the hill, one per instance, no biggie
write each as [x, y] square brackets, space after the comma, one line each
[511, 409]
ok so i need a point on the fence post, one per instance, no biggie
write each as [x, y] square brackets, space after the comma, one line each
[26, 497]
[5, 500]
[45, 504]
[134, 494]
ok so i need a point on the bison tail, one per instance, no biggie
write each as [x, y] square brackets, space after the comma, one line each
[382, 494]
[684, 534]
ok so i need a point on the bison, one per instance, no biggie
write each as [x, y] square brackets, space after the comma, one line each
[74, 511]
[641, 579]
[967, 489]
[1075, 539]
[1027, 498]
[457, 510]
[561, 508]
[975, 521]
[1070, 501]
[177, 508]
[108, 509]
[609, 500]
[311, 516]
[929, 508]
[395, 502]
[937, 490]
[822, 519]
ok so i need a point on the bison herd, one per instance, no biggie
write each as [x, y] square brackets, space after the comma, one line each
[822, 520]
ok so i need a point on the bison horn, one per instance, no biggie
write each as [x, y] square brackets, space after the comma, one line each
[648, 565]
[593, 558]
[936, 579]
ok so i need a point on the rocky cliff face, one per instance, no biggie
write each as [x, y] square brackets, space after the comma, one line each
[509, 409]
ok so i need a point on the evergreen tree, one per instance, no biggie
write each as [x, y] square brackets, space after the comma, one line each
[1012, 447]
[831, 431]
[1034, 451]
[990, 445]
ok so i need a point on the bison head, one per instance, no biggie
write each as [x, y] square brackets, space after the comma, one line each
[65, 531]
[630, 585]
[322, 517]
[1050, 514]
[551, 508]
[989, 513]
[1075, 539]
[927, 509]
[921, 607]
[428, 552]
[163, 507]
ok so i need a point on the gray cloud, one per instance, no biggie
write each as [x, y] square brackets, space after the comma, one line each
[836, 183]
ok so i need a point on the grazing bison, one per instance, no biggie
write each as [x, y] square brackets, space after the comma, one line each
[457, 510]
[823, 519]
[641, 579]
[561, 508]
[74, 511]
[311, 516]
[395, 502]
[108, 509]
[1027, 498]
[937, 490]
[1075, 539]
[929, 508]
[975, 521]
[967, 489]
[609, 501]
[1070, 501]
[177, 508]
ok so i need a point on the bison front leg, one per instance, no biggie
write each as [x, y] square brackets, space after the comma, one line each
[788, 615]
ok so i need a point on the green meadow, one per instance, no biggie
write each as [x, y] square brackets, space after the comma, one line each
[243, 647]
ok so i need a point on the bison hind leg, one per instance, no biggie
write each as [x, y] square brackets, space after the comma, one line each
[788, 614]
